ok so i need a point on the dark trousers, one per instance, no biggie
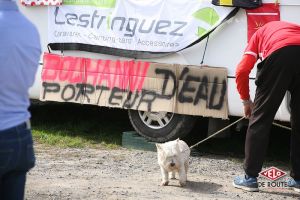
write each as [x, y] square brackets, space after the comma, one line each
[16, 158]
[278, 73]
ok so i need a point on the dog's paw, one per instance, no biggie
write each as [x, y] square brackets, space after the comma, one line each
[182, 183]
[164, 183]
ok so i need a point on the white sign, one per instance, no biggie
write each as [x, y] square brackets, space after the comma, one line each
[141, 25]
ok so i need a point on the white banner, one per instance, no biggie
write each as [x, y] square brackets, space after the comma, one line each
[141, 25]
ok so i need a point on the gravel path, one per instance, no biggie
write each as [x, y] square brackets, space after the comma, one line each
[132, 174]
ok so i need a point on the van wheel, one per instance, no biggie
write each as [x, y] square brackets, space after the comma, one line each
[161, 126]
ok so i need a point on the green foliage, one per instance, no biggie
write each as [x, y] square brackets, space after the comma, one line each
[78, 126]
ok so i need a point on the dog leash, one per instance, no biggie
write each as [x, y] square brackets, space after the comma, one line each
[281, 126]
[226, 127]
[216, 133]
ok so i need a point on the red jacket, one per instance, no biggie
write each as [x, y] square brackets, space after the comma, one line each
[269, 38]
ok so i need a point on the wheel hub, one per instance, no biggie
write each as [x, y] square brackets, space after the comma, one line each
[156, 120]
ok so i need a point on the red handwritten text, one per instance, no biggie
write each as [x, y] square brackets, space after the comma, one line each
[122, 74]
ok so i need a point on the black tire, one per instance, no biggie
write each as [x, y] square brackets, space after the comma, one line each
[178, 127]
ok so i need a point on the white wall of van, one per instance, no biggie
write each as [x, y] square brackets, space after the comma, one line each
[225, 48]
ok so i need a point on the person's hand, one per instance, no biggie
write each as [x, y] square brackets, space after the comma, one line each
[248, 106]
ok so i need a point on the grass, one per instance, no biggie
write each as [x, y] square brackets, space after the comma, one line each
[78, 126]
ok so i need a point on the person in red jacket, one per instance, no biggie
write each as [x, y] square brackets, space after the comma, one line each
[277, 45]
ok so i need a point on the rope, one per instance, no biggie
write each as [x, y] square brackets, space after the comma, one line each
[216, 133]
[282, 126]
[204, 50]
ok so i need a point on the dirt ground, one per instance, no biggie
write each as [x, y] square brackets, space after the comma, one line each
[133, 174]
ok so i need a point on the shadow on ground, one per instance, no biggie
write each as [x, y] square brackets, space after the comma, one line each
[203, 187]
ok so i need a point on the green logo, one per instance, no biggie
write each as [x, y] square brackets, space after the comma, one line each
[96, 3]
[208, 15]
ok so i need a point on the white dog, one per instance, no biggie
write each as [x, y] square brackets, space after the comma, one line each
[173, 157]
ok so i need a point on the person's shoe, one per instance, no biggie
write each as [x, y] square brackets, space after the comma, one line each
[246, 183]
[294, 184]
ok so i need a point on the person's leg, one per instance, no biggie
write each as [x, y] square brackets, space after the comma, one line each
[294, 182]
[8, 158]
[13, 183]
[295, 137]
[269, 95]
[266, 103]
[26, 161]
[18, 142]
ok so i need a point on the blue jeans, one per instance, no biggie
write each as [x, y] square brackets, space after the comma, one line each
[16, 159]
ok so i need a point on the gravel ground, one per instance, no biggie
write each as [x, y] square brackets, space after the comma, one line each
[133, 174]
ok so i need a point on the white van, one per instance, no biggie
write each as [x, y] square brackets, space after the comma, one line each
[224, 48]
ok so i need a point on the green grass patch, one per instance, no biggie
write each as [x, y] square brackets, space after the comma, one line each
[78, 126]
